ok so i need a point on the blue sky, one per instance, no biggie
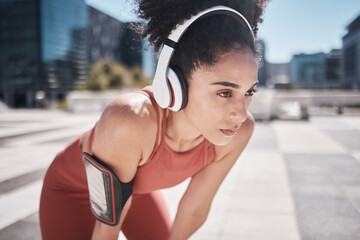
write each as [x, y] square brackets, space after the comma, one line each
[289, 27]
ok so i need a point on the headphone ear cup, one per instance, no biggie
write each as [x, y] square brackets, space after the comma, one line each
[179, 89]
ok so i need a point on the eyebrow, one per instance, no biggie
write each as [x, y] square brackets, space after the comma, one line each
[233, 85]
[227, 84]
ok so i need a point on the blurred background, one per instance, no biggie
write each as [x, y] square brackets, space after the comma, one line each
[61, 62]
[61, 54]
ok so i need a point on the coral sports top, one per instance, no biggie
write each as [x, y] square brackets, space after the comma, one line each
[165, 167]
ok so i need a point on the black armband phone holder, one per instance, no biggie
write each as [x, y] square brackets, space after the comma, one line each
[107, 194]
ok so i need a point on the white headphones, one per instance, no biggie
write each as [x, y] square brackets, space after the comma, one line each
[169, 85]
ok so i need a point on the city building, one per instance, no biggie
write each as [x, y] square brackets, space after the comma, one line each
[279, 74]
[111, 39]
[47, 47]
[332, 69]
[20, 52]
[350, 58]
[104, 34]
[308, 70]
[43, 47]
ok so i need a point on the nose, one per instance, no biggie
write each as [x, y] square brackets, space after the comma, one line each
[238, 112]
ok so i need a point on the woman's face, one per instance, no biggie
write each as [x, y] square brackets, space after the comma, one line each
[219, 97]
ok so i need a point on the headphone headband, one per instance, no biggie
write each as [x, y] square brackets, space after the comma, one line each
[180, 29]
[161, 88]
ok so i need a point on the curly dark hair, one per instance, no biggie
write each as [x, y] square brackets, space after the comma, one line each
[206, 40]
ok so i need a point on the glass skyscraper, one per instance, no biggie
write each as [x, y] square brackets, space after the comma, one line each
[43, 47]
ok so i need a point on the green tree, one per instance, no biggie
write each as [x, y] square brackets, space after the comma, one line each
[107, 74]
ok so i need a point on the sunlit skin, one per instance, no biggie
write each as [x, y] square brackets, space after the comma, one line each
[219, 98]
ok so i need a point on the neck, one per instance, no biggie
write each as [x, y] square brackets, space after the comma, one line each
[180, 131]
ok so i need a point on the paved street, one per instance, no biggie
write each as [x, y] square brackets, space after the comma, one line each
[296, 180]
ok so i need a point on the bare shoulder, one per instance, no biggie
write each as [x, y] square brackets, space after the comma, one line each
[130, 112]
[239, 142]
[124, 132]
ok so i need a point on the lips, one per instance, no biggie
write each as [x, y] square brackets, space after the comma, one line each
[230, 132]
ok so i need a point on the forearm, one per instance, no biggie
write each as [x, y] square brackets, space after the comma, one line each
[103, 231]
[185, 225]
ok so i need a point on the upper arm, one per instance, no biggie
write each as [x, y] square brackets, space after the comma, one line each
[119, 143]
[204, 185]
[119, 136]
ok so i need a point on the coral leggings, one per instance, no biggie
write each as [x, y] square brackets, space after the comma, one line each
[65, 209]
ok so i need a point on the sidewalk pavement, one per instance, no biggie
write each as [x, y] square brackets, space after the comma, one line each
[295, 180]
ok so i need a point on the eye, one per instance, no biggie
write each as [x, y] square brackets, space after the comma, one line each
[251, 92]
[225, 94]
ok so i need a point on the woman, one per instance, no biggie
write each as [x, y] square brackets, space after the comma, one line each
[155, 148]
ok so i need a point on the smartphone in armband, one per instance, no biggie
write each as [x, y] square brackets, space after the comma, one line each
[108, 194]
